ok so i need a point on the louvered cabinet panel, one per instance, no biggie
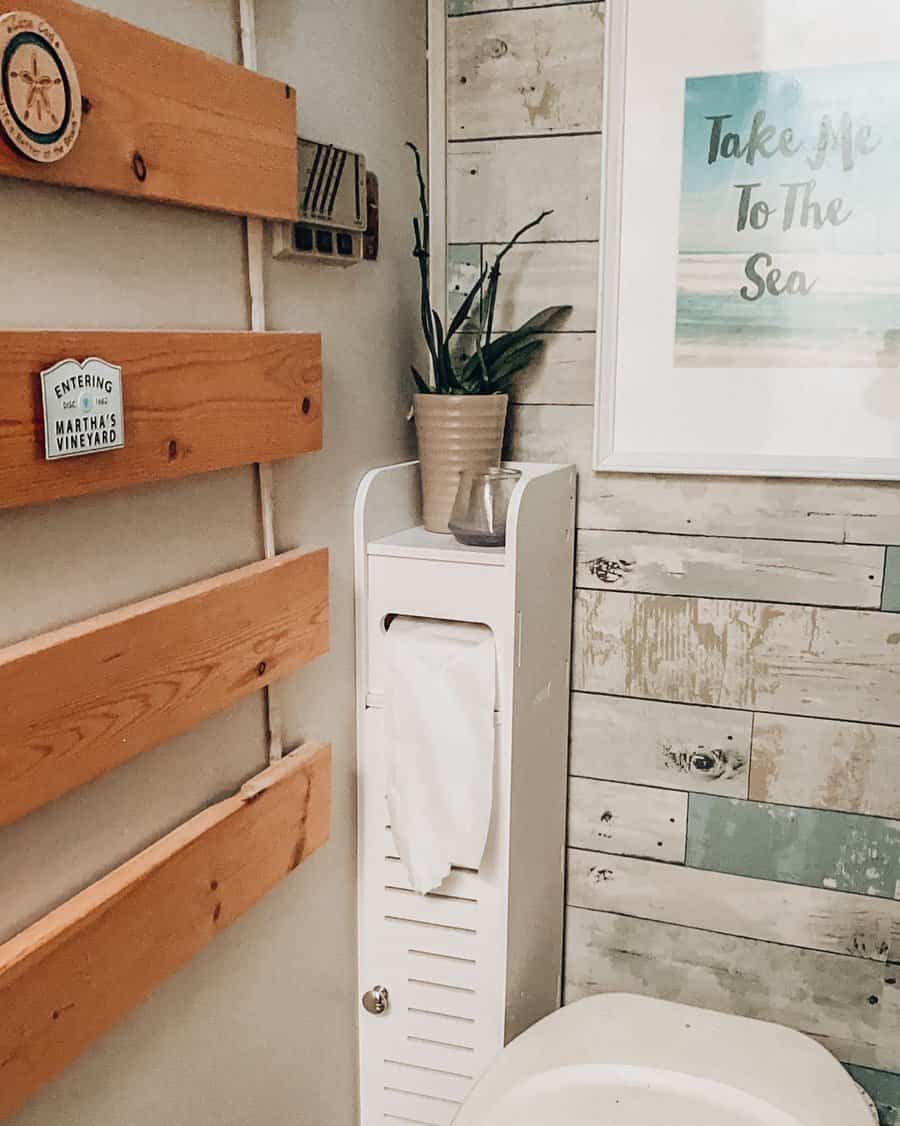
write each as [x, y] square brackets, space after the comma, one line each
[438, 957]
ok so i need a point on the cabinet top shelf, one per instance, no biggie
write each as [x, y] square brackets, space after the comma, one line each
[416, 543]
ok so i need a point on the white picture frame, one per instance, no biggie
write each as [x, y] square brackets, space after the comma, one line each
[653, 413]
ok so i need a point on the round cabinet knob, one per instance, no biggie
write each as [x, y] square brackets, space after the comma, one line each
[376, 1000]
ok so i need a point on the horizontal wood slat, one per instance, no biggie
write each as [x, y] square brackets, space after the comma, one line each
[194, 402]
[628, 820]
[83, 699]
[675, 746]
[72, 975]
[793, 845]
[525, 73]
[492, 188]
[811, 574]
[862, 926]
[844, 1002]
[865, 512]
[794, 659]
[170, 123]
[826, 764]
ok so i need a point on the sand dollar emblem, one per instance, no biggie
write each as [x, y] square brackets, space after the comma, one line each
[40, 99]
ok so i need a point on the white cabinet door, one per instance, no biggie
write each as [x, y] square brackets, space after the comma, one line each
[440, 956]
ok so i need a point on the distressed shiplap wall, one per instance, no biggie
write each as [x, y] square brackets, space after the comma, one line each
[735, 766]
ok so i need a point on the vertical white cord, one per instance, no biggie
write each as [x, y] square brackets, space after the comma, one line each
[258, 324]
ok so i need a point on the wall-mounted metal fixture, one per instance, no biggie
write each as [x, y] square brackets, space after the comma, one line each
[332, 205]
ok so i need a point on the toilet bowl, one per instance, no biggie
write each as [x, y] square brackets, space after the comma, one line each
[622, 1060]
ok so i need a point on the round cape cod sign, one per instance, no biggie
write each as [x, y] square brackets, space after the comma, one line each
[40, 99]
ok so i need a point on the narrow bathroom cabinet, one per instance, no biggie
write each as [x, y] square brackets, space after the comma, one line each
[454, 975]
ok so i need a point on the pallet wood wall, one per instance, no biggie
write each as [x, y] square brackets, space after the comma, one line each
[194, 402]
[734, 820]
[68, 978]
[166, 122]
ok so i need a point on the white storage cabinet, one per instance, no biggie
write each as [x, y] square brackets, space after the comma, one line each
[470, 966]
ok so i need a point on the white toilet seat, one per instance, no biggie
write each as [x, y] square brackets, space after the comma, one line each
[622, 1060]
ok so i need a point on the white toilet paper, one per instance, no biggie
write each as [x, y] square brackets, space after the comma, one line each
[440, 693]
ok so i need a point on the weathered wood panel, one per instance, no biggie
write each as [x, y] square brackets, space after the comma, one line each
[815, 918]
[72, 975]
[525, 73]
[628, 820]
[853, 767]
[892, 580]
[496, 187]
[674, 746]
[81, 700]
[884, 1090]
[194, 402]
[463, 271]
[540, 274]
[467, 7]
[767, 570]
[815, 847]
[844, 1002]
[170, 123]
[833, 663]
[826, 511]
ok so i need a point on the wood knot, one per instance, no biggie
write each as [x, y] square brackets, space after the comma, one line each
[261, 668]
[306, 405]
[172, 449]
[139, 167]
[86, 105]
[217, 911]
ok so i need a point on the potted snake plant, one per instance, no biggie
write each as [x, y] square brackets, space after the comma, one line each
[460, 410]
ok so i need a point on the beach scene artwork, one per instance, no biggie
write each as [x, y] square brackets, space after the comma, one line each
[789, 238]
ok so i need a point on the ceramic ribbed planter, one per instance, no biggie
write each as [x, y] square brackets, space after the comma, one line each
[455, 432]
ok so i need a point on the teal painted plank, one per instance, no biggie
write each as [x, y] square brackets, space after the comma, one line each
[814, 847]
[891, 597]
[884, 1090]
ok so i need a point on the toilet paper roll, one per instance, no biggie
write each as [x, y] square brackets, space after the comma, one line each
[440, 694]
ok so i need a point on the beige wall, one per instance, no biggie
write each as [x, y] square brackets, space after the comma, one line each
[260, 1028]
[734, 807]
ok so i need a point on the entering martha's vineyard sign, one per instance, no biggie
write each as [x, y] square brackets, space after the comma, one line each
[82, 408]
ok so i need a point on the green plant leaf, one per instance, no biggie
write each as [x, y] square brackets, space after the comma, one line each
[421, 386]
[544, 321]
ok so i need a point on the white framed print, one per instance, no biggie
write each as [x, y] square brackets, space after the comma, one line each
[750, 267]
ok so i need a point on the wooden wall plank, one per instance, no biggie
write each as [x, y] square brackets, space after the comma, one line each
[884, 1090]
[767, 570]
[467, 7]
[828, 996]
[801, 660]
[210, 134]
[525, 73]
[463, 271]
[83, 699]
[826, 764]
[815, 847]
[826, 511]
[628, 820]
[674, 746]
[194, 402]
[72, 975]
[536, 275]
[892, 580]
[815, 918]
[496, 187]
